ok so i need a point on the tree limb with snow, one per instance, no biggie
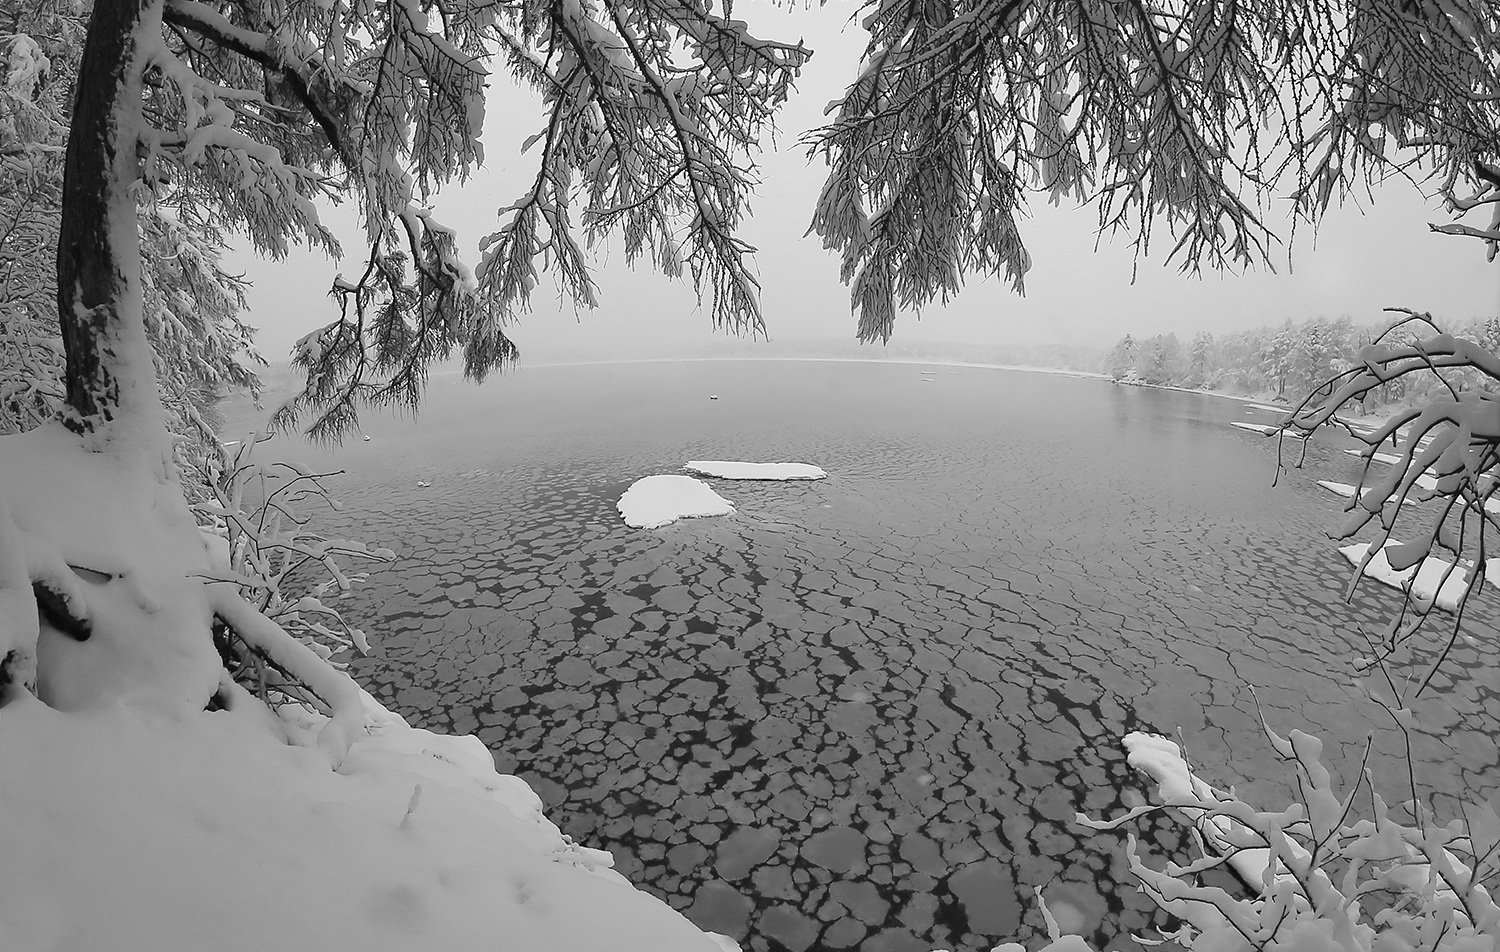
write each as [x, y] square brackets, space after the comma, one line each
[1188, 117]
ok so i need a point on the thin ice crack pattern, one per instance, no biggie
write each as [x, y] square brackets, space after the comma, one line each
[857, 716]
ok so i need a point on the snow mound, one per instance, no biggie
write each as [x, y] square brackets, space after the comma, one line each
[657, 501]
[1422, 580]
[727, 469]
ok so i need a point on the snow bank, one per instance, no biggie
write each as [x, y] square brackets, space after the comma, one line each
[660, 500]
[726, 469]
[128, 828]
[1429, 575]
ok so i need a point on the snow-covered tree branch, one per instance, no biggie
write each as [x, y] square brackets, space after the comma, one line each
[1188, 115]
[258, 109]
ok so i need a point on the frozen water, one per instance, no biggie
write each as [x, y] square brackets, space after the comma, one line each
[1429, 575]
[726, 469]
[1254, 427]
[935, 649]
[657, 501]
[1385, 458]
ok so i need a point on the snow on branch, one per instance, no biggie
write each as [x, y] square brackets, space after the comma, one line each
[1334, 874]
[1439, 483]
[654, 109]
[657, 140]
[1187, 117]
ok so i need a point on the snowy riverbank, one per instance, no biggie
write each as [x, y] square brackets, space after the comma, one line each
[128, 828]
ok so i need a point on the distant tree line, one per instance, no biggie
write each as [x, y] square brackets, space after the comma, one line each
[1286, 362]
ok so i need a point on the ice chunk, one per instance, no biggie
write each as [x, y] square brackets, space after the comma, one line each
[1341, 489]
[1255, 427]
[1429, 575]
[728, 469]
[1161, 760]
[660, 500]
[1385, 458]
[1268, 407]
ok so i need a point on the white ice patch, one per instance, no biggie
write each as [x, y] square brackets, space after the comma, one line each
[1268, 407]
[1385, 458]
[1429, 575]
[727, 469]
[660, 500]
[130, 828]
[1340, 489]
[1255, 427]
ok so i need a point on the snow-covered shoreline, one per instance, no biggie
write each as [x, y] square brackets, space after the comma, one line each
[131, 828]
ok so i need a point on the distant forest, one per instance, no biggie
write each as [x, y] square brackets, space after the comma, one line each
[1286, 362]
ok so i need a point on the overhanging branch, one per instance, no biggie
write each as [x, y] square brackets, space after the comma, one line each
[308, 80]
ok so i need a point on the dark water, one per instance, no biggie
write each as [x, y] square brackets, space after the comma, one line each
[861, 713]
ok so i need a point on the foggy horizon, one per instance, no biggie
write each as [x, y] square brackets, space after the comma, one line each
[1363, 258]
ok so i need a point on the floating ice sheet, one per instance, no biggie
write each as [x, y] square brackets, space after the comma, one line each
[1268, 407]
[1341, 489]
[1428, 575]
[1255, 427]
[728, 469]
[1161, 760]
[660, 500]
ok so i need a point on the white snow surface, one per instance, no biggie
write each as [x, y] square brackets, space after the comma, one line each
[1254, 427]
[657, 501]
[139, 830]
[727, 469]
[1162, 760]
[134, 820]
[1428, 575]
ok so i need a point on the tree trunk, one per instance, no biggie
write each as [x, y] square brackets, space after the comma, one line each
[111, 378]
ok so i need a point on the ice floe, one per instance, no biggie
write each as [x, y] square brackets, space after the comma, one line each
[1255, 427]
[656, 501]
[729, 469]
[1428, 575]
[1341, 489]
[1268, 407]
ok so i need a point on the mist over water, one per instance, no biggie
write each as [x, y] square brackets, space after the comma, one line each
[862, 712]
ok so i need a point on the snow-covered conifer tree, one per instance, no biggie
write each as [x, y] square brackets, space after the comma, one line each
[249, 112]
[1187, 117]
[1182, 115]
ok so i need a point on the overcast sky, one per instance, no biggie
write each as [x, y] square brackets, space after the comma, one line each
[1363, 259]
